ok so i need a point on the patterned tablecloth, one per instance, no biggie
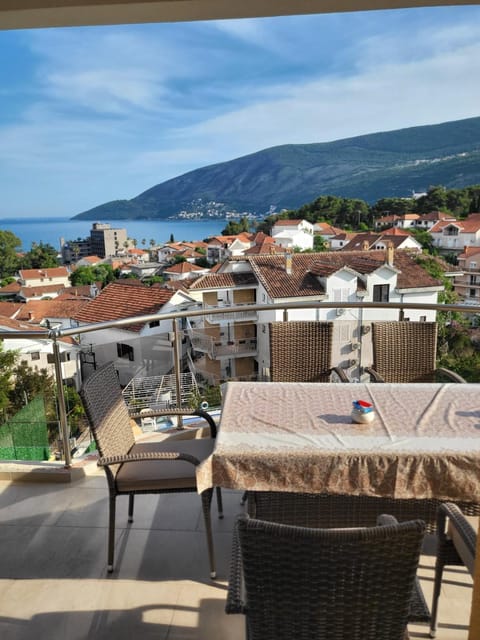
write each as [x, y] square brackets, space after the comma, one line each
[423, 443]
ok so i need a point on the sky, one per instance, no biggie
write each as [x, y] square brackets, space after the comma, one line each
[93, 114]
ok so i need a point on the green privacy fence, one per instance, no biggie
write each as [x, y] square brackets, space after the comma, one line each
[25, 435]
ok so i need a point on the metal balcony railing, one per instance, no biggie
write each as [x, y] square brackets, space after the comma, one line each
[351, 345]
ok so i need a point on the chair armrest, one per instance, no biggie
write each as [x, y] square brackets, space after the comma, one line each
[152, 455]
[386, 519]
[454, 377]
[179, 412]
[460, 523]
[235, 603]
[340, 373]
[374, 375]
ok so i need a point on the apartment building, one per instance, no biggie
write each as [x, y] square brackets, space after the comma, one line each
[238, 347]
[105, 241]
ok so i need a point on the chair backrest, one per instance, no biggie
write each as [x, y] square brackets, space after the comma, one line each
[405, 351]
[107, 412]
[328, 584]
[300, 351]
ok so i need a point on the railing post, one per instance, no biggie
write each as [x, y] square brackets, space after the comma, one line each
[176, 365]
[61, 402]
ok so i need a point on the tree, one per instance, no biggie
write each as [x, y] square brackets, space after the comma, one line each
[425, 239]
[172, 239]
[88, 275]
[40, 256]
[9, 261]
[233, 227]
[319, 243]
[8, 359]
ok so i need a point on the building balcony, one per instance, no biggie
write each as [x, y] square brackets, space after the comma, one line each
[222, 348]
[242, 314]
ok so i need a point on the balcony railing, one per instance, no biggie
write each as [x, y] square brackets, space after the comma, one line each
[351, 343]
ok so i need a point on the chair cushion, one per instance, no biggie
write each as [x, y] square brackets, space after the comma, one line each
[157, 475]
[465, 554]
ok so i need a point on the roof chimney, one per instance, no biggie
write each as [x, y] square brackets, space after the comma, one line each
[390, 254]
[288, 262]
[365, 245]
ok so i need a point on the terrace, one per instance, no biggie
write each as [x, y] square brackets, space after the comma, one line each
[53, 576]
[53, 579]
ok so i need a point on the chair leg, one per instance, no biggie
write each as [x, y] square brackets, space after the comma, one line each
[131, 499]
[219, 502]
[111, 532]
[244, 498]
[206, 503]
[439, 566]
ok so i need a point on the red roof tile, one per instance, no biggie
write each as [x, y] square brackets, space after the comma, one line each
[118, 300]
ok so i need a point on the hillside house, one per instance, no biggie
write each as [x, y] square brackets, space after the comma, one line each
[37, 352]
[44, 277]
[291, 234]
[403, 221]
[149, 356]
[453, 236]
[184, 271]
[395, 237]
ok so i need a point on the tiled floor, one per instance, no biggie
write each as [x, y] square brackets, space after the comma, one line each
[54, 585]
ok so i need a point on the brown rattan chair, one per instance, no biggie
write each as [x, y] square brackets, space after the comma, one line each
[158, 467]
[406, 352]
[324, 584]
[457, 540]
[301, 351]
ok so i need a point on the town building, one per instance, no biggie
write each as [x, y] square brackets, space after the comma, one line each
[293, 234]
[452, 236]
[226, 346]
[467, 281]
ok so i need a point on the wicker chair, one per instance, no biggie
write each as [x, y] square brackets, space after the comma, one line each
[457, 540]
[301, 351]
[158, 467]
[323, 584]
[406, 352]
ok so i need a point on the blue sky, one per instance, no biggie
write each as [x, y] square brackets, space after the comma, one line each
[89, 115]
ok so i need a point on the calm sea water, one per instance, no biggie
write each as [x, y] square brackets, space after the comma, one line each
[50, 230]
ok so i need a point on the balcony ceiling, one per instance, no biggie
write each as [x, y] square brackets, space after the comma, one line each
[26, 14]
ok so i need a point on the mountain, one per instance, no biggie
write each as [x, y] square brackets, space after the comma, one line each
[369, 167]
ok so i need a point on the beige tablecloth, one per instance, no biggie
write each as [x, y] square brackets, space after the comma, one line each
[424, 441]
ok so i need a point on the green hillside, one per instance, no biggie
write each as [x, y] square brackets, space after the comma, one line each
[369, 167]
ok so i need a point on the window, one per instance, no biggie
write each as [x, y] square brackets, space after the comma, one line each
[473, 265]
[422, 319]
[125, 351]
[154, 323]
[472, 293]
[381, 292]
[35, 355]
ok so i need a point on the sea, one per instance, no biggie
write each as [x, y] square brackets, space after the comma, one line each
[51, 230]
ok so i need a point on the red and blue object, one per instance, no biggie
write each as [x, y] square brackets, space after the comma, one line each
[362, 406]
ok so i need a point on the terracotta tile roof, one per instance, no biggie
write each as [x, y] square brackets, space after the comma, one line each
[471, 224]
[121, 300]
[224, 281]
[13, 287]
[437, 215]
[468, 252]
[55, 272]
[287, 223]
[10, 323]
[9, 309]
[37, 310]
[41, 290]
[356, 243]
[183, 267]
[91, 259]
[271, 272]
[265, 247]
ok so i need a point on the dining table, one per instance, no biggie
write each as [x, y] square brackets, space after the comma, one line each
[423, 442]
